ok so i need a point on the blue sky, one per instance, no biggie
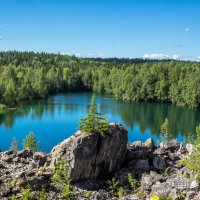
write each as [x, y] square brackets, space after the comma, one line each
[106, 28]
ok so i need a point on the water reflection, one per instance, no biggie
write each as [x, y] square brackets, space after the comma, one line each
[56, 118]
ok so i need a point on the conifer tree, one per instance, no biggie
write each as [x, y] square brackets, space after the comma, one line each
[94, 121]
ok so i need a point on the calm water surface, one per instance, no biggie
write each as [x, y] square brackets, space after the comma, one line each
[56, 118]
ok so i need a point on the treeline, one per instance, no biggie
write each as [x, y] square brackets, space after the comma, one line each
[27, 75]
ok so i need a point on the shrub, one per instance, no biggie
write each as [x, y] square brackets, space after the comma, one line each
[121, 192]
[30, 142]
[60, 176]
[26, 194]
[193, 160]
[60, 173]
[66, 192]
[14, 145]
[113, 186]
[130, 181]
[94, 122]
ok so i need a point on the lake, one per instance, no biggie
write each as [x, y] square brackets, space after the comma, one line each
[56, 118]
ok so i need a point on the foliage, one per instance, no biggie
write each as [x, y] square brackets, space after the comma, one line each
[94, 122]
[141, 194]
[155, 197]
[165, 172]
[30, 142]
[114, 185]
[60, 173]
[14, 145]
[2, 106]
[121, 192]
[10, 184]
[87, 194]
[27, 75]
[131, 182]
[42, 195]
[193, 160]
[67, 193]
[60, 176]
[13, 197]
[26, 194]
[165, 130]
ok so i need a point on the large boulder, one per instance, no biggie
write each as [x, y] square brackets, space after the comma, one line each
[93, 155]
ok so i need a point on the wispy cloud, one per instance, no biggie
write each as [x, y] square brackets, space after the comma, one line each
[161, 56]
[187, 29]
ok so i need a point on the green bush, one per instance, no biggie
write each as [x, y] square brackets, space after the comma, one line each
[26, 194]
[94, 122]
[193, 160]
[121, 192]
[114, 185]
[30, 142]
[67, 193]
[60, 176]
[60, 173]
[130, 181]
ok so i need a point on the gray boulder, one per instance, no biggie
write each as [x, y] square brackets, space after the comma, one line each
[93, 155]
[159, 163]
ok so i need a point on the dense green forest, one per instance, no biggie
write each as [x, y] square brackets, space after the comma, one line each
[28, 75]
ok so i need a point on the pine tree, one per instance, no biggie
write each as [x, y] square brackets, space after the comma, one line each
[30, 142]
[94, 121]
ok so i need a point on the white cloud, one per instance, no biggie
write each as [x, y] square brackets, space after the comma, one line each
[187, 29]
[160, 56]
[198, 57]
[175, 57]
[156, 56]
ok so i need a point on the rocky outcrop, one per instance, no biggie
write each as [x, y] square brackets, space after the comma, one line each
[93, 155]
[97, 156]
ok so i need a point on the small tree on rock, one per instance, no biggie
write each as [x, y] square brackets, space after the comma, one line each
[94, 121]
[30, 142]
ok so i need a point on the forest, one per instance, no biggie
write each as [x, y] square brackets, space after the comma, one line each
[29, 75]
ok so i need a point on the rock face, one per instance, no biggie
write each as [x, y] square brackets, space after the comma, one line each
[95, 155]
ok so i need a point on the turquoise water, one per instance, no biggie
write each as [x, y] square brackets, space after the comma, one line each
[56, 118]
